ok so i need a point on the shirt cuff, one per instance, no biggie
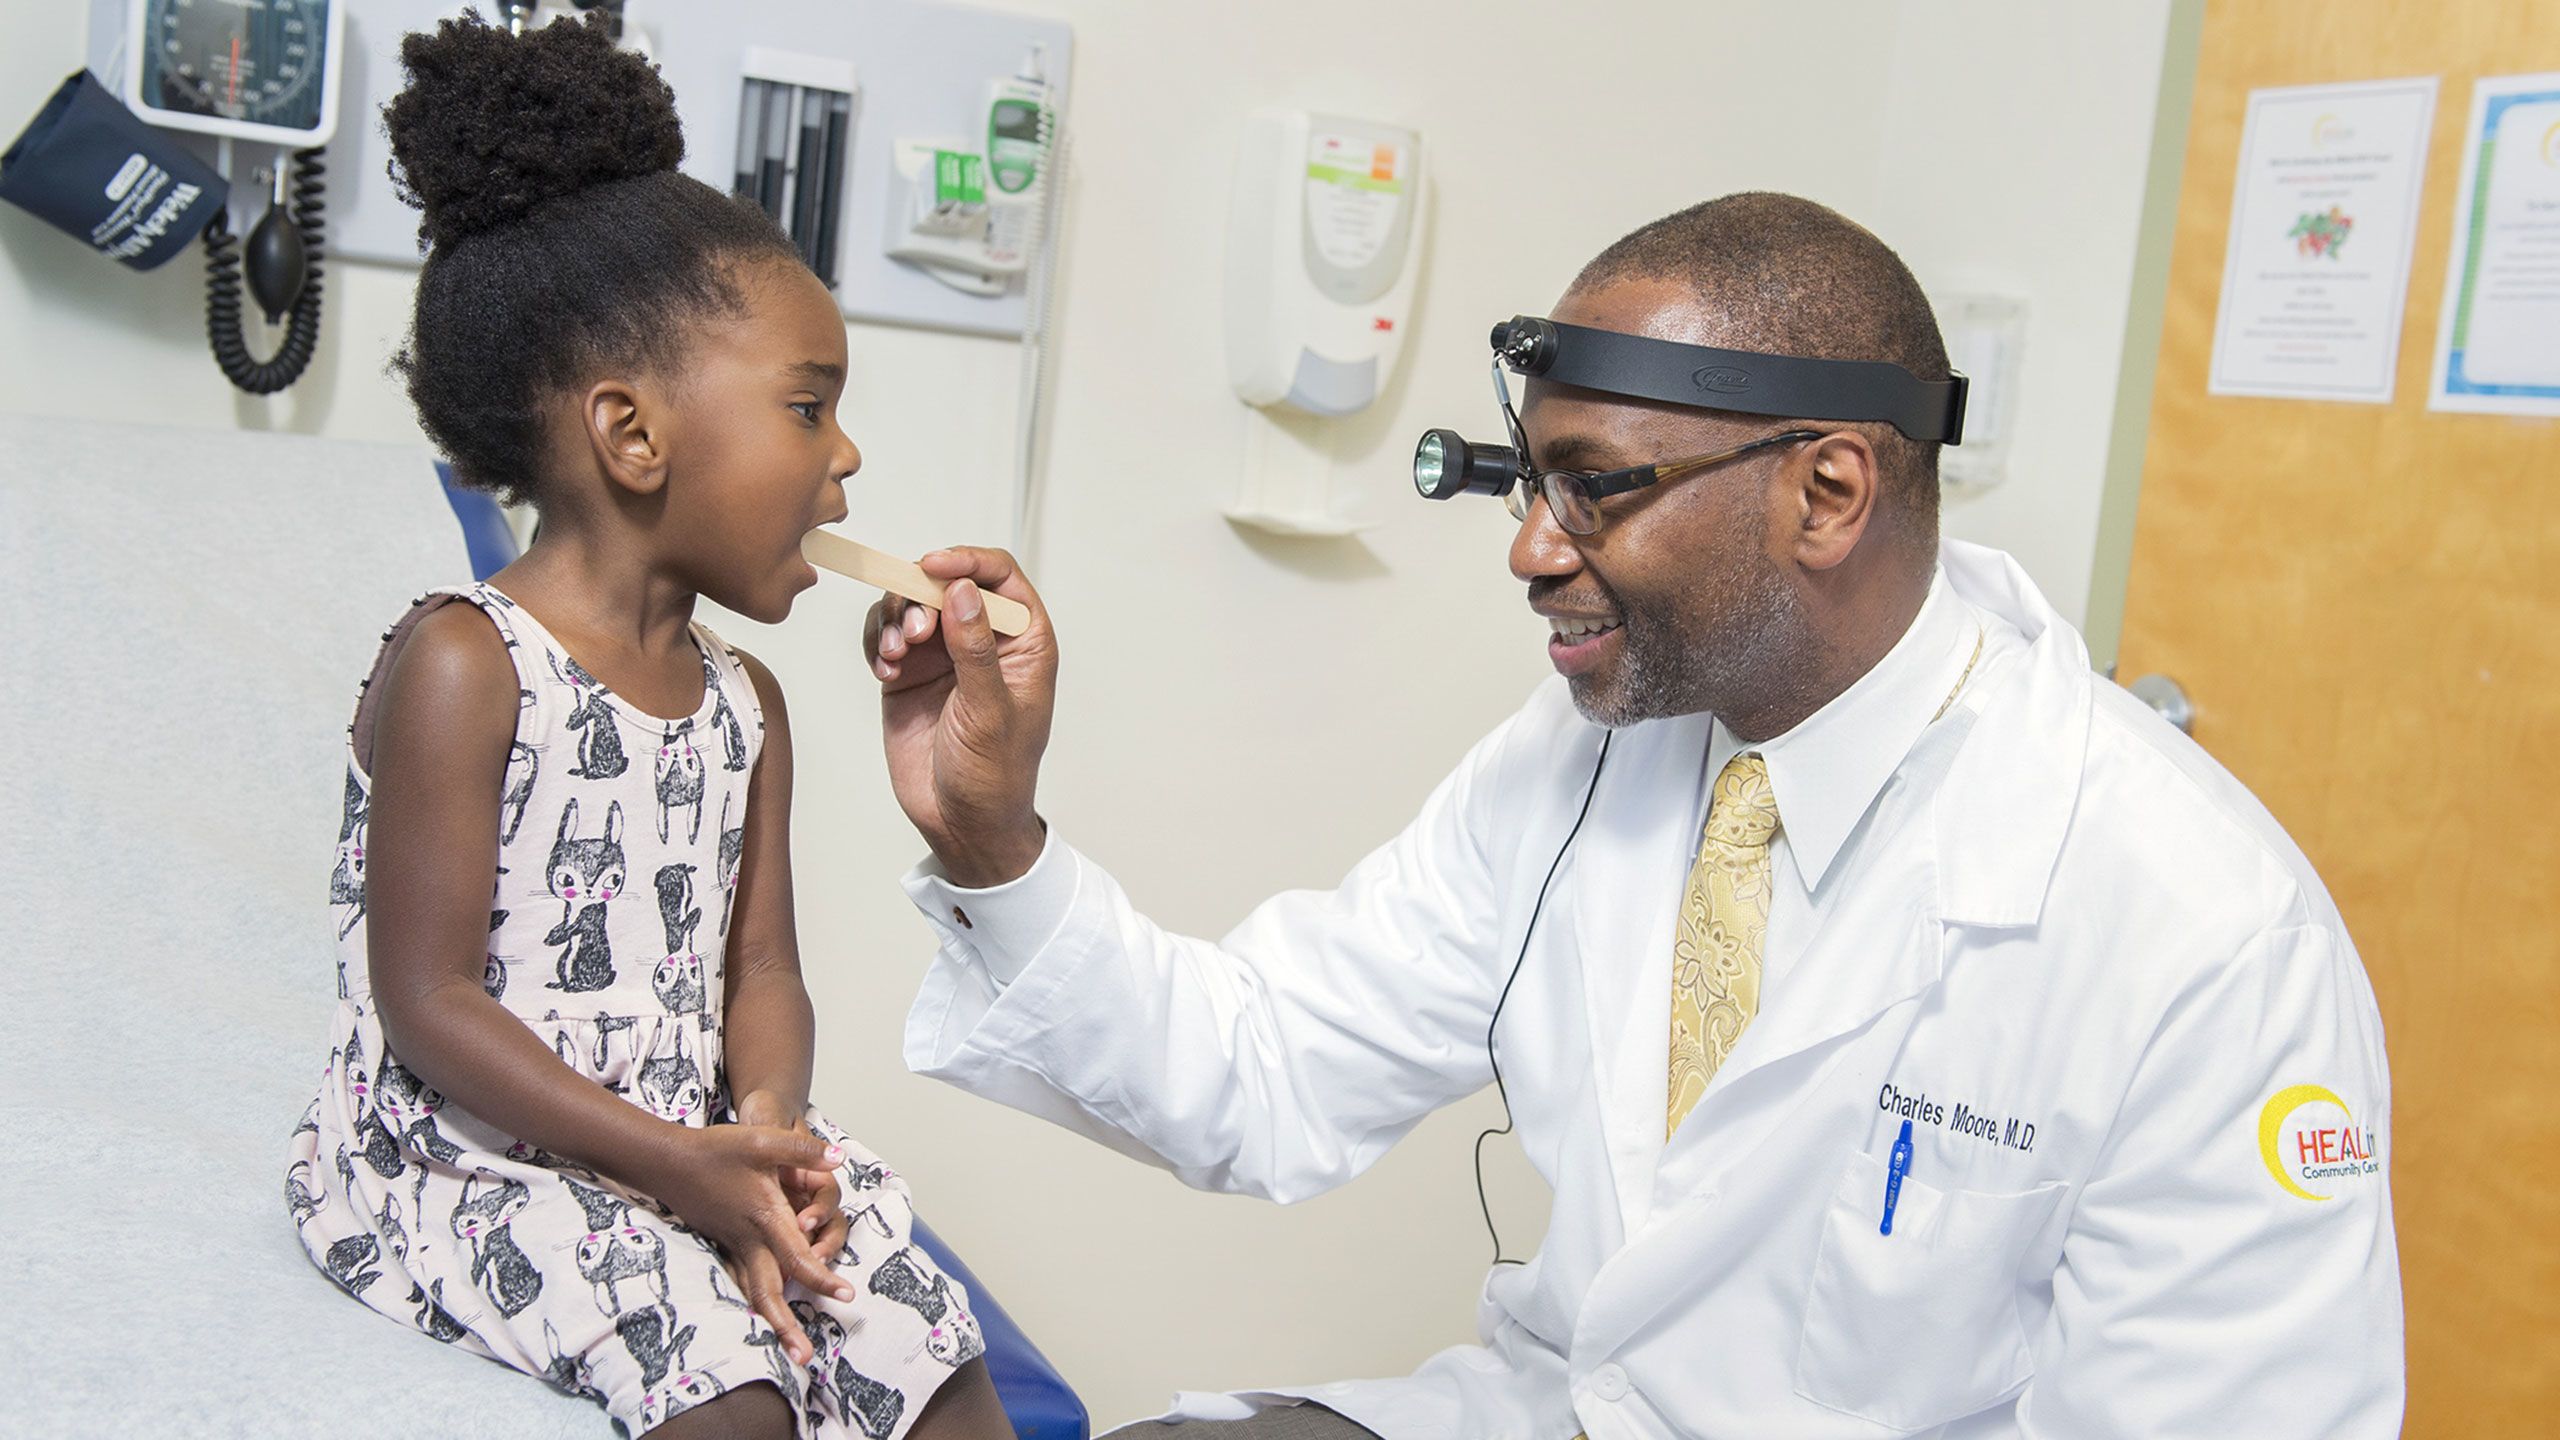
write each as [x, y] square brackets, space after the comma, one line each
[1005, 926]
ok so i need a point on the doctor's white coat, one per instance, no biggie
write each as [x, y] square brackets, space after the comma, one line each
[2142, 1066]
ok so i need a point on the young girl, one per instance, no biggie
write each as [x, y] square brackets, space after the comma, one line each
[564, 1120]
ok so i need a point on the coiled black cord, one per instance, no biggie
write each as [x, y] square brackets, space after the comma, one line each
[222, 290]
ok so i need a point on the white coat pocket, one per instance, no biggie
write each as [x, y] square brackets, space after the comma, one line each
[1919, 1327]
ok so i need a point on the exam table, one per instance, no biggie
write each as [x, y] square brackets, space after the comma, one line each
[187, 614]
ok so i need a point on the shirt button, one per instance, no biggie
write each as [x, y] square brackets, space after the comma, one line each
[1609, 1383]
[963, 917]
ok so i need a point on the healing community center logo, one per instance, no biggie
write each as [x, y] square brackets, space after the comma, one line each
[2312, 1143]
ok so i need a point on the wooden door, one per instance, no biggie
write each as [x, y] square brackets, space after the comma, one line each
[2363, 604]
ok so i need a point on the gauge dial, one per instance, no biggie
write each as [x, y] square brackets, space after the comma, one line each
[249, 60]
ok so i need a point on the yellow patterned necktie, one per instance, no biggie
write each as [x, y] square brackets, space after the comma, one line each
[1724, 913]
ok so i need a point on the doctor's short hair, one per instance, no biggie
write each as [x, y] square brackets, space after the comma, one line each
[1790, 277]
[562, 247]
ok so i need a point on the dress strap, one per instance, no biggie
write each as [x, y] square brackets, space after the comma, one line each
[528, 645]
[737, 719]
[394, 636]
[504, 616]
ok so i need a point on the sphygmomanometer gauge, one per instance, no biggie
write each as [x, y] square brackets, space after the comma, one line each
[265, 72]
[250, 69]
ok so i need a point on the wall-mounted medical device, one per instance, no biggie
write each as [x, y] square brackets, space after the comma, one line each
[255, 70]
[970, 209]
[767, 86]
[91, 168]
[260, 72]
[795, 128]
[928, 70]
[242, 72]
[1323, 229]
[1326, 216]
[1986, 340]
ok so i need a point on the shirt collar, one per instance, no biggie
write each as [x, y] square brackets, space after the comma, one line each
[1829, 769]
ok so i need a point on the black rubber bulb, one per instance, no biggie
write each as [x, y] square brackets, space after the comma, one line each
[278, 263]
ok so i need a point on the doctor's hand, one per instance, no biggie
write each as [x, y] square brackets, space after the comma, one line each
[965, 715]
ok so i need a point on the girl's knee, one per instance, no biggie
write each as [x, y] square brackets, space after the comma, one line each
[964, 1408]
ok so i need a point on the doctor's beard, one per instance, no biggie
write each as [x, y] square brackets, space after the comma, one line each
[1726, 643]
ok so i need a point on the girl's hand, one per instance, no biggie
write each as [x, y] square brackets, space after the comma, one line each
[815, 1194]
[726, 1183]
[821, 1203]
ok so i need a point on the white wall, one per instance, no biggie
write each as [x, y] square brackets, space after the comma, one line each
[1237, 714]
[2014, 142]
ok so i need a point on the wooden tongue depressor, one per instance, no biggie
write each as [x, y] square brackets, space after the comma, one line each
[857, 561]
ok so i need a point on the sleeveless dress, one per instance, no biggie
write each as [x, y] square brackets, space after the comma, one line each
[619, 838]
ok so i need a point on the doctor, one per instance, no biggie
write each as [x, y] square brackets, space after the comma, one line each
[1920, 1037]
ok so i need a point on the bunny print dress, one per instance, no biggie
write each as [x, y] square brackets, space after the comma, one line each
[619, 837]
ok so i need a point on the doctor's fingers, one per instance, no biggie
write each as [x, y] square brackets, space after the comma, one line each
[1000, 683]
[990, 569]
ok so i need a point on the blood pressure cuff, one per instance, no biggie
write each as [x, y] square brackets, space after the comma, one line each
[93, 170]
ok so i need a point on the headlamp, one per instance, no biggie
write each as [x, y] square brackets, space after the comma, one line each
[1704, 377]
[1447, 464]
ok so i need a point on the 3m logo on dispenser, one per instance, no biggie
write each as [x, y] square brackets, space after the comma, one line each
[2313, 1144]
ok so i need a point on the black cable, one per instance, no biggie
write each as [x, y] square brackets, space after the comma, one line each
[1483, 1201]
[222, 290]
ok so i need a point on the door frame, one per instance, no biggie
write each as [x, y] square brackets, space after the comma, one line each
[2120, 494]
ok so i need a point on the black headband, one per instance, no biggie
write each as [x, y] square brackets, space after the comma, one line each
[1744, 380]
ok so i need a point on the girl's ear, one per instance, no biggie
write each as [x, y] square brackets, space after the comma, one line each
[623, 428]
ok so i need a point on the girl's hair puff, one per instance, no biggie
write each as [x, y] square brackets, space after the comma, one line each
[561, 244]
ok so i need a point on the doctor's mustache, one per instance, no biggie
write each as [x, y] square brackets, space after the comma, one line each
[1546, 588]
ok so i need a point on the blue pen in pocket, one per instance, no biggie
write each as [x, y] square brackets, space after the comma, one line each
[1895, 1169]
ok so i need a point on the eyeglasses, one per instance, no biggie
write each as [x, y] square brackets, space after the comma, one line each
[1574, 496]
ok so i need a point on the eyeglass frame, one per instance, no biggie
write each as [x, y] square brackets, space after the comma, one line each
[1599, 485]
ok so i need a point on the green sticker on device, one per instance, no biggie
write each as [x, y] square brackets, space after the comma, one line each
[1369, 180]
[959, 178]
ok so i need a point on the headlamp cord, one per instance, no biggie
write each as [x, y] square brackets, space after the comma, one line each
[1483, 1201]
